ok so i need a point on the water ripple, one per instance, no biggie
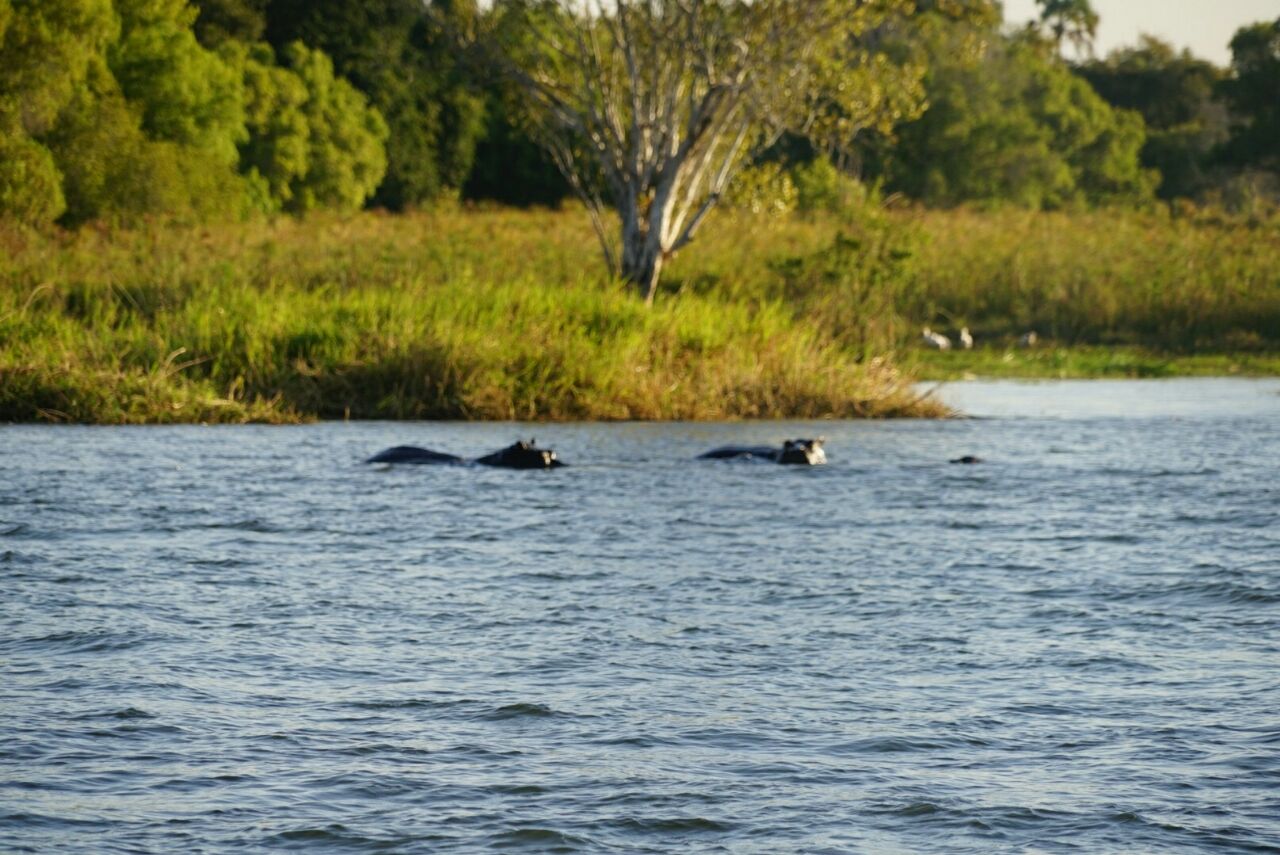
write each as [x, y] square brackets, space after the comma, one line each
[1071, 648]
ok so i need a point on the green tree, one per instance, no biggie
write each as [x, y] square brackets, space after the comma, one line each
[222, 21]
[152, 127]
[112, 169]
[1253, 94]
[1175, 93]
[276, 154]
[47, 47]
[30, 183]
[186, 93]
[392, 51]
[1169, 88]
[313, 141]
[1072, 20]
[510, 167]
[116, 112]
[46, 50]
[1011, 124]
[345, 159]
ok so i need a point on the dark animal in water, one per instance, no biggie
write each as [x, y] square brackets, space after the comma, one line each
[520, 455]
[805, 452]
[968, 458]
[413, 454]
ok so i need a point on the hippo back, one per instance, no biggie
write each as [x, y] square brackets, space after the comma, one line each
[743, 452]
[412, 454]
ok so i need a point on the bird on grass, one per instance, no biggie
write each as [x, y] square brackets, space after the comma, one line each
[937, 341]
[966, 338]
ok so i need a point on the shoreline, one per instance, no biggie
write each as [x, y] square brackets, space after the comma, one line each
[932, 391]
[1086, 362]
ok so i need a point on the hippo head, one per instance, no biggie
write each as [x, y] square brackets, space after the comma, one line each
[803, 451]
[522, 455]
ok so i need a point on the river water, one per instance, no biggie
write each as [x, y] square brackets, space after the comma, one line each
[223, 639]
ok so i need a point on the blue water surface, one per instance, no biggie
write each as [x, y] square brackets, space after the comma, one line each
[243, 639]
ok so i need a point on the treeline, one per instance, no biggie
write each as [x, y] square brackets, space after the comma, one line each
[121, 109]
[1008, 120]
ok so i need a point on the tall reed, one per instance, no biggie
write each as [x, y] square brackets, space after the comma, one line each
[498, 315]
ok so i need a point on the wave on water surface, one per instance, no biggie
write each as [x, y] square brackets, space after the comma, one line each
[1071, 647]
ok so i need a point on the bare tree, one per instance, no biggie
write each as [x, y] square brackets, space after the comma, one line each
[648, 107]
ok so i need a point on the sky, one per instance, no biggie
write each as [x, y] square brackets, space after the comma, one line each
[1204, 26]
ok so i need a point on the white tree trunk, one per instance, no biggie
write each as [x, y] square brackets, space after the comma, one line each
[642, 267]
[647, 105]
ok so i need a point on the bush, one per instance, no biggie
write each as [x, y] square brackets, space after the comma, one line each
[820, 186]
[765, 188]
[30, 184]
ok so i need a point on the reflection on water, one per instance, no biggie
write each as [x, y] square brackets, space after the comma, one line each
[243, 639]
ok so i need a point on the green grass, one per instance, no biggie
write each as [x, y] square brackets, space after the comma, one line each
[1106, 277]
[496, 315]
[1086, 361]
[505, 314]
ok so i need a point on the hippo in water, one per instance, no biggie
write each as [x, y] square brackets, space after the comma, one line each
[520, 455]
[413, 454]
[806, 452]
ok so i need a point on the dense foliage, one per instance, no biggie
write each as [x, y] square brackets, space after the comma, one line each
[204, 110]
[115, 110]
[1253, 94]
[1007, 122]
[398, 55]
[1175, 93]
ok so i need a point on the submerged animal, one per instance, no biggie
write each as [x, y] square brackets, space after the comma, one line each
[968, 458]
[413, 454]
[806, 452]
[520, 455]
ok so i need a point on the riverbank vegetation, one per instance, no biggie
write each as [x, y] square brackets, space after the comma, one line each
[499, 315]
[507, 314]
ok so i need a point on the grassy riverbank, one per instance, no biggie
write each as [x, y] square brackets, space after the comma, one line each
[506, 314]
[498, 315]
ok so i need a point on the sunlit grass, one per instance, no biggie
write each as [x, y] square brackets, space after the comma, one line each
[1103, 277]
[509, 314]
[498, 315]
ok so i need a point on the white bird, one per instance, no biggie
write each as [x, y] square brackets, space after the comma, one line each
[1028, 339]
[966, 338]
[937, 341]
